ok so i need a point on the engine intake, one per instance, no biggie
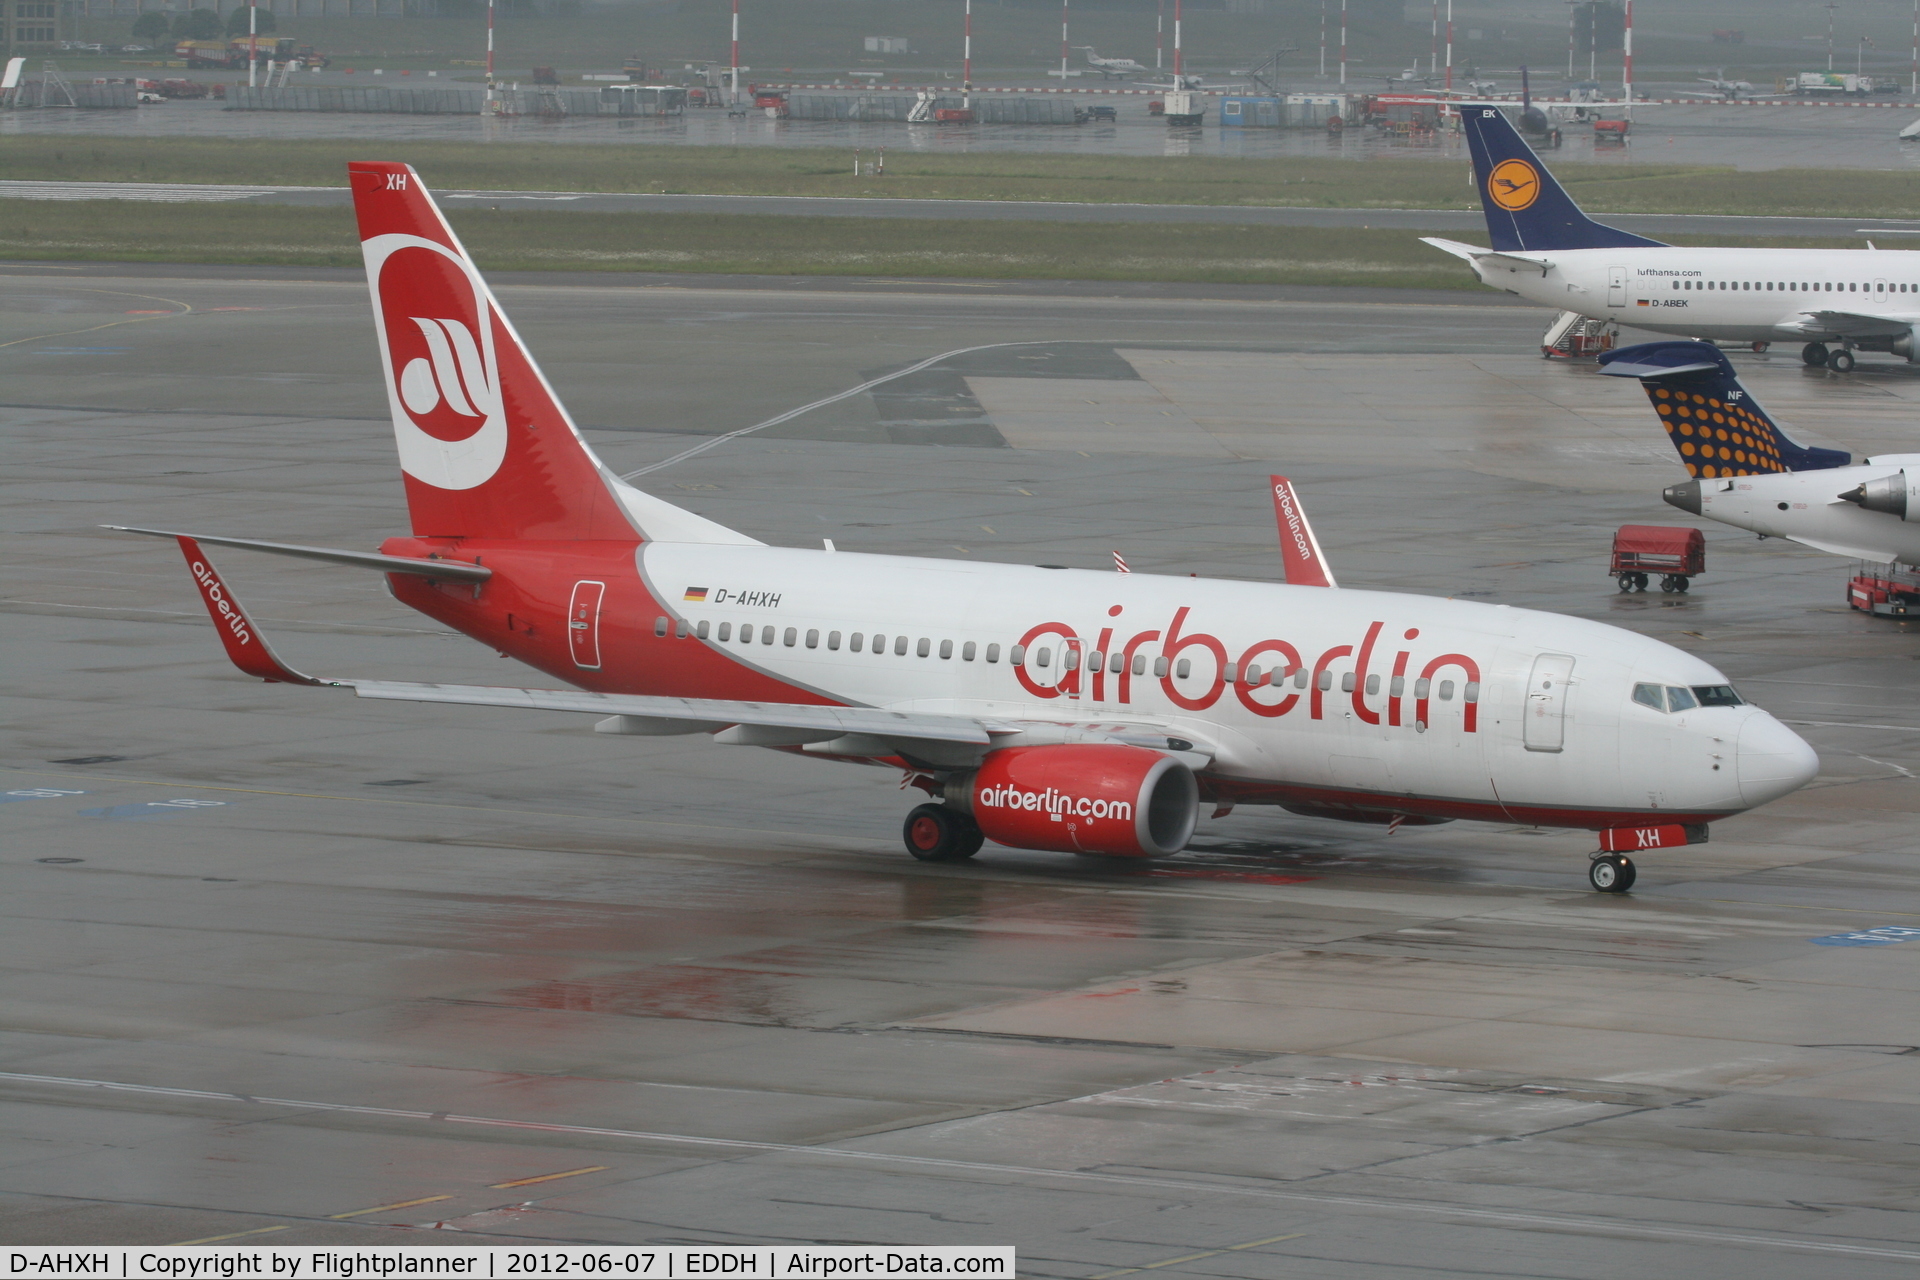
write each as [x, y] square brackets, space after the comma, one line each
[1120, 801]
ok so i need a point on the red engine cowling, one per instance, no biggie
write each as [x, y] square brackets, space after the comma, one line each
[1105, 799]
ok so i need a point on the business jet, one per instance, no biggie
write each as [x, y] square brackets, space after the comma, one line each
[1048, 709]
[1750, 473]
[1546, 250]
[1113, 68]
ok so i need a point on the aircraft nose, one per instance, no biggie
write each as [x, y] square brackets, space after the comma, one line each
[1684, 496]
[1772, 760]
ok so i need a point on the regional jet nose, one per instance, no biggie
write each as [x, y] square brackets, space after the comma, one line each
[1684, 496]
[1773, 760]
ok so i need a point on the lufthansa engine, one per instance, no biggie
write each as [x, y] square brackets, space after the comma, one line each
[1095, 798]
[1892, 494]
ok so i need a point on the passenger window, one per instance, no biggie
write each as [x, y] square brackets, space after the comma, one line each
[680, 629]
[1016, 656]
[1680, 699]
[701, 630]
[1324, 681]
[924, 647]
[660, 626]
[967, 651]
[1420, 688]
[1373, 685]
[833, 639]
[1446, 691]
[1299, 677]
[1717, 695]
[1230, 673]
[1472, 692]
[1346, 682]
[1043, 657]
[1650, 695]
[879, 643]
[1182, 669]
[1139, 664]
[791, 638]
[855, 641]
[900, 647]
[726, 631]
[1398, 688]
[1070, 658]
[1117, 663]
[746, 634]
[1160, 667]
[813, 639]
[993, 653]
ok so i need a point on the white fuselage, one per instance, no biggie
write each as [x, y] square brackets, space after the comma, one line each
[1806, 507]
[1392, 701]
[1738, 295]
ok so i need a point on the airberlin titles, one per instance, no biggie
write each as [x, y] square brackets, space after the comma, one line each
[1106, 673]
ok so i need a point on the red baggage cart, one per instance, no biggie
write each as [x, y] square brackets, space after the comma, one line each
[1676, 554]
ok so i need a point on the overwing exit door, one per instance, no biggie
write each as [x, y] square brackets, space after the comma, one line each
[583, 624]
[1546, 716]
[1616, 286]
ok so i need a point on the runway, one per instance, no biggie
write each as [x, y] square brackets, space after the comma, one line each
[1469, 221]
[287, 967]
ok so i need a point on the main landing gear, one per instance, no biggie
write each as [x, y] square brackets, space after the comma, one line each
[1610, 872]
[1816, 356]
[935, 833]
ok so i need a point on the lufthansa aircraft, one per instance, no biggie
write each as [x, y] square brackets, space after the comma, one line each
[1049, 709]
[1749, 473]
[1547, 251]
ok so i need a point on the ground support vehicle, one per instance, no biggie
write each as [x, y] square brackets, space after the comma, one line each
[1884, 590]
[1676, 553]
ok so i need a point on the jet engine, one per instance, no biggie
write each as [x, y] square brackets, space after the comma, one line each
[1895, 495]
[1907, 347]
[1098, 798]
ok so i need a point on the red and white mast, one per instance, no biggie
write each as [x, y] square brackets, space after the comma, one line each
[1063, 43]
[734, 65]
[1176, 39]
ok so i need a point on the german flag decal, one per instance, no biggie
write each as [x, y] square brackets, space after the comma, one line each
[695, 594]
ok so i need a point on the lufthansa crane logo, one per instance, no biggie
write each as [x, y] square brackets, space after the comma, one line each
[1514, 185]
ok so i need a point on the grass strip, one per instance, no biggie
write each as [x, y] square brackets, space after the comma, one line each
[287, 235]
[1422, 182]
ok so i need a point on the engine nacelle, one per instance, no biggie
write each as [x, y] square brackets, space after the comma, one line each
[1894, 495]
[1099, 798]
[1905, 346]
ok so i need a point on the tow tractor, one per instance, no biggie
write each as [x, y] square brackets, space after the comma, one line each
[1884, 590]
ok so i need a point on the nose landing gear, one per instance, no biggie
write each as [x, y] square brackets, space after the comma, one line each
[935, 833]
[1611, 872]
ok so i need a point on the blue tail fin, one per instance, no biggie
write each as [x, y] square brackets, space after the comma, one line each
[1719, 429]
[1526, 209]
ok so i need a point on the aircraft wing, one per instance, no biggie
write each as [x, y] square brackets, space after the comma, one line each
[1475, 254]
[881, 732]
[1849, 324]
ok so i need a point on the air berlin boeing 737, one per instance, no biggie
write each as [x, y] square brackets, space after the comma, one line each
[1061, 710]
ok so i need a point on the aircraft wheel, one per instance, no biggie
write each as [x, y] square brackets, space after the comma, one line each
[1841, 361]
[1815, 354]
[935, 833]
[1611, 873]
[1761, 347]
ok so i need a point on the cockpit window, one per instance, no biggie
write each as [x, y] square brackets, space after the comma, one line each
[1680, 699]
[1718, 695]
[1650, 695]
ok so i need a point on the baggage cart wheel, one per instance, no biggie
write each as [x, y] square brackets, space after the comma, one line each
[1814, 354]
[1841, 361]
[1682, 583]
[1639, 582]
[1670, 582]
[1626, 581]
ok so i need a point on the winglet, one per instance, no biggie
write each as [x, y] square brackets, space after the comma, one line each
[246, 646]
[1306, 565]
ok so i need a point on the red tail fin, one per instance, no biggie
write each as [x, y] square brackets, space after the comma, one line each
[1299, 549]
[487, 449]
